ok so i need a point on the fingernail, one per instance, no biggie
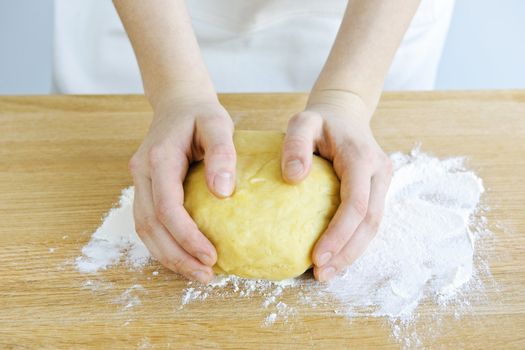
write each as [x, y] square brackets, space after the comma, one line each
[327, 273]
[324, 258]
[200, 276]
[293, 168]
[205, 259]
[223, 184]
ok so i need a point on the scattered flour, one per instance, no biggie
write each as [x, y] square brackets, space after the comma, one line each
[144, 343]
[97, 286]
[424, 252]
[270, 319]
[130, 297]
[114, 239]
[233, 286]
[424, 247]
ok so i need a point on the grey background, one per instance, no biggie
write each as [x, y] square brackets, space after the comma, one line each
[485, 48]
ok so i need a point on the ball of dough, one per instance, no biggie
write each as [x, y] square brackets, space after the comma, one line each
[267, 228]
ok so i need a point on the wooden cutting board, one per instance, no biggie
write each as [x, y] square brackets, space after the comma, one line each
[63, 162]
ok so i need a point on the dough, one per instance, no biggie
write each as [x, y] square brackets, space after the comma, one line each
[267, 228]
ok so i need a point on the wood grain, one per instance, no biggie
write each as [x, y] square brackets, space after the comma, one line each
[63, 162]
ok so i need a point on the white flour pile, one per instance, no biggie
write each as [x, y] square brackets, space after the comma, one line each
[424, 249]
[115, 238]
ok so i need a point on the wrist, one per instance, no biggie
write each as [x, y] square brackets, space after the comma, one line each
[343, 101]
[182, 93]
[184, 100]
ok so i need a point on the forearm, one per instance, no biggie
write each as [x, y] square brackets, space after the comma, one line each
[363, 50]
[166, 49]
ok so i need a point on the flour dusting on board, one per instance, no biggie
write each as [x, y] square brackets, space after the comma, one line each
[424, 252]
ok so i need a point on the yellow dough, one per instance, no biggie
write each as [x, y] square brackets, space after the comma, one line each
[267, 228]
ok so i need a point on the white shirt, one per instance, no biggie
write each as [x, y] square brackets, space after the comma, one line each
[248, 46]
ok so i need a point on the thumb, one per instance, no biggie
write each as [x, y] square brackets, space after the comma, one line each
[219, 156]
[298, 146]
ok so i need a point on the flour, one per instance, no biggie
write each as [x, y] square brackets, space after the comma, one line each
[130, 297]
[233, 286]
[424, 247]
[424, 252]
[114, 239]
[145, 343]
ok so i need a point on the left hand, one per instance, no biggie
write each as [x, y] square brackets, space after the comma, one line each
[338, 129]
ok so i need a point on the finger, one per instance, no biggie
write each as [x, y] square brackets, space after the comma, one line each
[167, 175]
[216, 137]
[298, 146]
[364, 234]
[159, 242]
[355, 192]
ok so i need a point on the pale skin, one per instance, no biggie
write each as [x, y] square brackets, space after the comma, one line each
[190, 124]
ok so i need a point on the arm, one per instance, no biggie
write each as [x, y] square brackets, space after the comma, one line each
[166, 49]
[335, 123]
[189, 124]
[368, 38]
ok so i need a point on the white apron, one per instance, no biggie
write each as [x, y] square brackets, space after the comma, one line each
[248, 46]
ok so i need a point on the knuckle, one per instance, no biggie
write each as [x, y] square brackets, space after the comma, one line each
[134, 164]
[156, 156]
[373, 220]
[347, 258]
[295, 144]
[367, 155]
[174, 263]
[360, 205]
[187, 242]
[145, 226]
[223, 150]
[164, 260]
[220, 117]
[338, 240]
[163, 210]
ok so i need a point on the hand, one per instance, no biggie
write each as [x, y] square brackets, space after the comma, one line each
[181, 132]
[336, 126]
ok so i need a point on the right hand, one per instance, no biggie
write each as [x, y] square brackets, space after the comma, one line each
[181, 132]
